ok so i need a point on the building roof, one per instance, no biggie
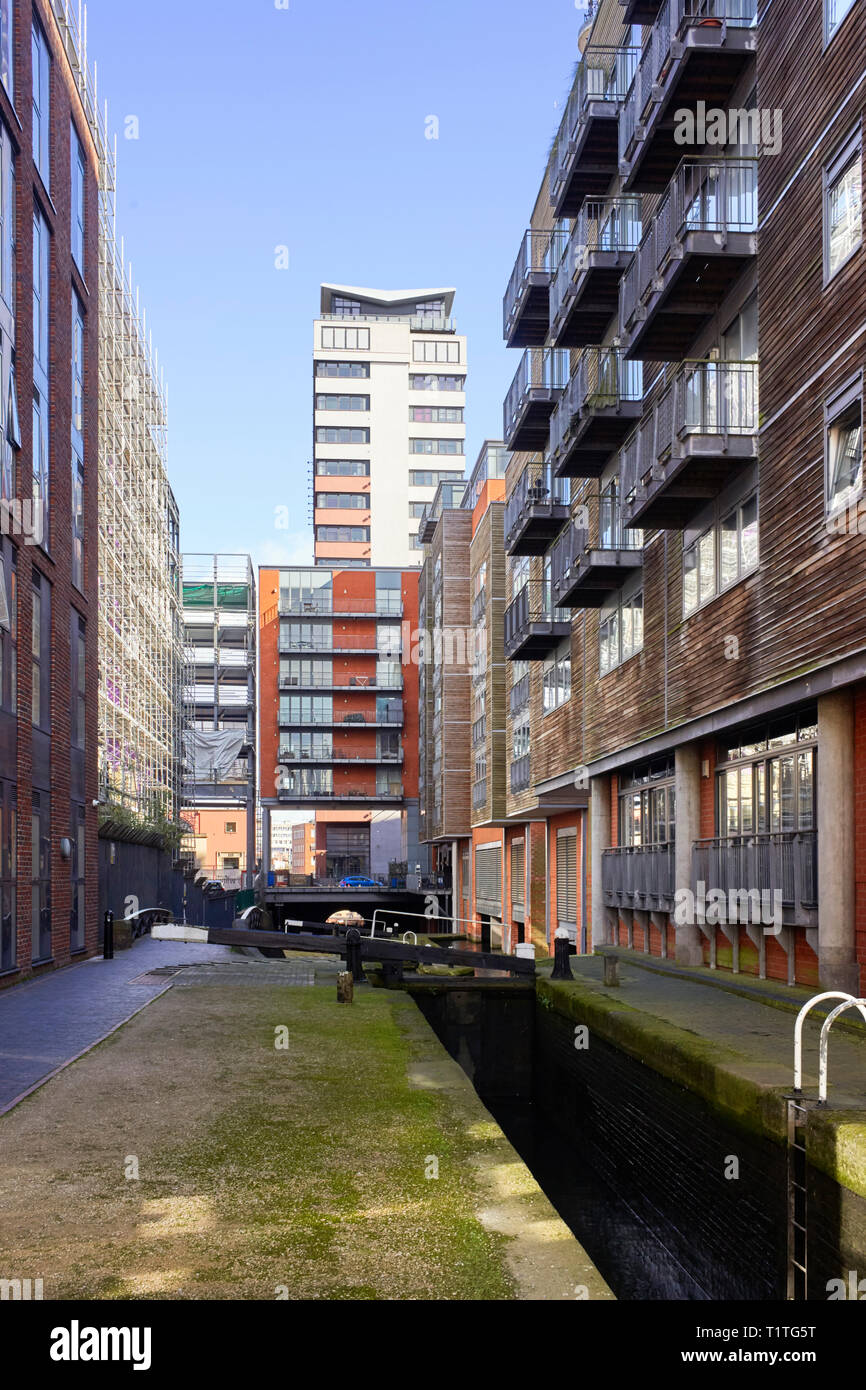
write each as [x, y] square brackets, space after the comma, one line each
[389, 299]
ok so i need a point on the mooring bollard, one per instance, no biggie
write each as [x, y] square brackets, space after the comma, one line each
[611, 968]
[345, 987]
[108, 936]
[353, 955]
[561, 956]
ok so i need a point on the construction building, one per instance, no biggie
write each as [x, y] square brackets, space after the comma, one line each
[389, 381]
[219, 783]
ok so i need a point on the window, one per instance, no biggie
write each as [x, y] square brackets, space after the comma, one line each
[346, 339]
[834, 12]
[306, 591]
[297, 671]
[41, 262]
[8, 876]
[306, 781]
[6, 49]
[41, 103]
[342, 402]
[341, 434]
[436, 446]
[78, 681]
[388, 782]
[306, 709]
[307, 747]
[77, 365]
[388, 710]
[435, 350]
[79, 178]
[77, 523]
[357, 370]
[765, 777]
[342, 468]
[41, 872]
[436, 383]
[389, 598]
[353, 534]
[647, 805]
[437, 414]
[306, 637]
[388, 746]
[348, 501]
[40, 647]
[231, 827]
[843, 431]
[620, 629]
[520, 737]
[7, 219]
[420, 477]
[722, 555]
[418, 508]
[556, 678]
[77, 918]
[843, 206]
[345, 308]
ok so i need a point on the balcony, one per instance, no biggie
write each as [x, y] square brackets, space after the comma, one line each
[696, 52]
[392, 720]
[355, 686]
[533, 627]
[355, 796]
[584, 295]
[583, 574]
[596, 411]
[536, 510]
[700, 433]
[639, 876]
[702, 237]
[291, 758]
[448, 497]
[585, 153]
[337, 643]
[752, 869]
[640, 11]
[532, 396]
[526, 306]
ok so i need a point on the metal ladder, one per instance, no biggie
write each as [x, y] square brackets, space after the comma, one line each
[798, 1114]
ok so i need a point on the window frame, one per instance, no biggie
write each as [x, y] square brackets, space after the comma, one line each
[835, 407]
[828, 37]
[848, 153]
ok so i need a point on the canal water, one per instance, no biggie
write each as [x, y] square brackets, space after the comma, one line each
[632, 1256]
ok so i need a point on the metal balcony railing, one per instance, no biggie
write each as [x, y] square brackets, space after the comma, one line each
[783, 862]
[606, 224]
[641, 876]
[675, 17]
[521, 774]
[542, 372]
[537, 495]
[603, 75]
[719, 196]
[601, 379]
[533, 624]
[580, 551]
[536, 262]
[703, 398]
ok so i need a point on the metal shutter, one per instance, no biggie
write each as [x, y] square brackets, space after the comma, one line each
[464, 875]
[488, 879]
[566, 881]
[518, 881]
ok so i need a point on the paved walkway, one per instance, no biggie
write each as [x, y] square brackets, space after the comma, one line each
[44, 1023]
[755, 1028]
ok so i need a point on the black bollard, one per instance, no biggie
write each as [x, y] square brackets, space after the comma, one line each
[353, 955]
[561, 956]
[108, 937]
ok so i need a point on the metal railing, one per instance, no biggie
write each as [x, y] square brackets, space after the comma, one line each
[601, 379]
[706, 195]
[674, 18]
[702, 398]
[533, 604]
[539, 252]
[521, 774]
[603, 75]
[639, 875]
[784, 862]
[576, 540]
[518, 696]
[544, 369]
[607, 224]
[536, 486]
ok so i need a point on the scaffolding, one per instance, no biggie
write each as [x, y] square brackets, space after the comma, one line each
[140, 632]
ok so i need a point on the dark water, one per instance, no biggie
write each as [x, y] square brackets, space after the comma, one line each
[632, 1257]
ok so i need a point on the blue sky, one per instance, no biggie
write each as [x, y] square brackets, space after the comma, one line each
[303, 127]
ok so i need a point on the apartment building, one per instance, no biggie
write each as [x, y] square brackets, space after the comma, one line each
[389, 382]
[690, 610]
[52, 147]
[339, 713]
[219, 785]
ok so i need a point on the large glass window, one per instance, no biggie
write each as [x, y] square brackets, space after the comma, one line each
[834, 12]
[77, 918]
[436, 414]
[341, 534]
[843, 206]
[342, 468]
[41, 103]
[766, 777]
[79, 183]
[341, 434]
[305, 591]
[844, 447]
[647, 805]
[7, 9]
[306, 709]
[78, 694]
[301, 672]
[41, 876]
[344, 501]
[305, 636]
[620, 628]
[8, 876]
[41, 271]
[307, 747]
[355, 370]
[421, 477]
[556, 677]
[40, 647]
[437, 383]
[722, 555]
[327, 402]
[436, 446]
[389, 597]
[435, 350]
[346, 339]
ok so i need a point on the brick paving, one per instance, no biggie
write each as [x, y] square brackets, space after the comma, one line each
[44, 1023]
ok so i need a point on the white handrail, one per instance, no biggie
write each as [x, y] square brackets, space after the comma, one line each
[801, 1018]
[850, 1003]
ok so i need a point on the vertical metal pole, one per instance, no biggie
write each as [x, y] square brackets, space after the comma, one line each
[108, 936]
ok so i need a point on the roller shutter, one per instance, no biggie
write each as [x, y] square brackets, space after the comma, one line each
[566, 881]
[518, 880]
[488, 879]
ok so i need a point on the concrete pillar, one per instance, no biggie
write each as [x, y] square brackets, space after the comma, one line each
[687, 777]
[599, 834]
[837, 955]
[266, 844]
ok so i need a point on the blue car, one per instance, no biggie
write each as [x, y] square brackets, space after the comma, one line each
[360, 881]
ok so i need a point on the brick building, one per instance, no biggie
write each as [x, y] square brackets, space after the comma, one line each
[685, 568]
[50, 151]
[338, 701]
